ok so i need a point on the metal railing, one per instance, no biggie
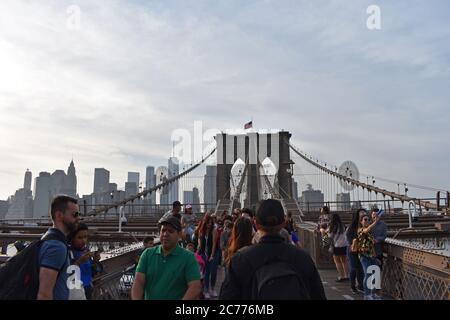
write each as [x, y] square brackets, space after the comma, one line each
[415, 268]
[116, 282]
[415, 272]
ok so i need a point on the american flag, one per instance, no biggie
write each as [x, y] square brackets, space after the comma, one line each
[248, 125]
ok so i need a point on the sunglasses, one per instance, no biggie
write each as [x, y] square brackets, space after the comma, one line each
[365, 219]
[75, 214]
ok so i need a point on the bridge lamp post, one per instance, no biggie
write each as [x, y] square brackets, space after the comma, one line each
[112, 198]
[290, 171]
[140, 198]
[376, 194]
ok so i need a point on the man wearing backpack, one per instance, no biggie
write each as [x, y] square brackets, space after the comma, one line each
[53, 256]
[39, 271]
[271, 269]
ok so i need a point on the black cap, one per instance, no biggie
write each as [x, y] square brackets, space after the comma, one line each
[270, 213]
[173, 221]
[176, 204]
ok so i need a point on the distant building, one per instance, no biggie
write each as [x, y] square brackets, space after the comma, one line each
[112, 187]
[150, 182]
[188, 197]
[131, 189]
[27, 180]
[134, 177]
[195, 200]
[356, 205]
[209, 186]
[21, 204]
[42, 196]
[105, 198]
[4, 206]
[47, 186]
[343, 201]
[86, 203]
[311, 199]
[173, 170]
[57, 182]
[70, 182]
[101, 180]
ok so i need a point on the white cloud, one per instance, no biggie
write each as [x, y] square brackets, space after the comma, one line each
[112, 92]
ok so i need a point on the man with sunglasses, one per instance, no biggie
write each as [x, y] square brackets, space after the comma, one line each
[53, 256]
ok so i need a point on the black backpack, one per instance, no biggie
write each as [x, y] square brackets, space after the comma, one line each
[19, 276]
[277, 280]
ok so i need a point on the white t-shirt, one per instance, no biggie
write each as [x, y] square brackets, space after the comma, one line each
[339, 240]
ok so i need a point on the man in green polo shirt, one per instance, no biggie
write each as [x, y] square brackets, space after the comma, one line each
[167, 272]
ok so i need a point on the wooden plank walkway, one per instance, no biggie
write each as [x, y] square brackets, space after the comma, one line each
[337, 290]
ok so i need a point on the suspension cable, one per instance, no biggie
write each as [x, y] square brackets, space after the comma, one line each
[370, 188]
[148, 191]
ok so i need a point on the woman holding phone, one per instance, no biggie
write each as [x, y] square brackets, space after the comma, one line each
[366, 250]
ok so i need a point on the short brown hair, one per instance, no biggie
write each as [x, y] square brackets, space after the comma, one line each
[60, 203]
[326, 209]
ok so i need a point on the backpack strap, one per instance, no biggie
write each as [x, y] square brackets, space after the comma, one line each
[59, 236]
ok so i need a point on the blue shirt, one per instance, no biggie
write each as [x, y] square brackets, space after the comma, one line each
[379, 232]
[85, 268]
[53, 255]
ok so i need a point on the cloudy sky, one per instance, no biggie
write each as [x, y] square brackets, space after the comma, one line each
[111, 92]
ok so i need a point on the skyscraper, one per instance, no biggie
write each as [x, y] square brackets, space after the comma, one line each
[112, 187]
[188, 197]
[195, 200]
[101, 180]
[209, 186]
[150, 182]
[47, 186]
[174, 170]
[131, 190]
[4, 206]
[22, 201]
[27, 180]
[21, 205]
[42, 196]
[70, 186]
[133, 177]
[57, 182]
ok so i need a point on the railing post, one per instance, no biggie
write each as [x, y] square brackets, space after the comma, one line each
[410, 213]
[448, 200]
[4, 247]
[438, 201]
[84, 207]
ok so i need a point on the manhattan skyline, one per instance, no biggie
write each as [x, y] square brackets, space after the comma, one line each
[376, 97]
